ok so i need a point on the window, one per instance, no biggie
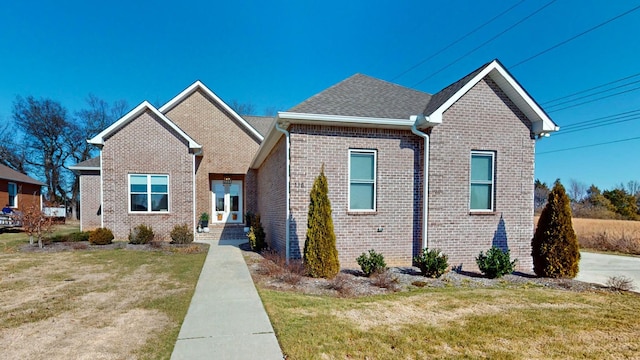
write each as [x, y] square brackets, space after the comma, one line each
[148, 193]
[362, 180]
[482, 185]
[13, 195]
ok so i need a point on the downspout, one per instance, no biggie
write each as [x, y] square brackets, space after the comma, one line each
[288, 180]
[425, 186]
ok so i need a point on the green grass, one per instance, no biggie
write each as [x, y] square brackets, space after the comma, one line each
[457, 323]
[96, 286]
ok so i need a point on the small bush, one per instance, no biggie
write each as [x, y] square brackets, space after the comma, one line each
[100, 236]
[419, 284]
[432, 263]
[181, 234]
[371, 263]
[620, 283]
[141, 234]
[256, 235]
[496, 263]
[386, 280]
[79, 236]
[341, 283]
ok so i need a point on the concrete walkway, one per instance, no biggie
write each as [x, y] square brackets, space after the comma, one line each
[597, 268]
[226, 318]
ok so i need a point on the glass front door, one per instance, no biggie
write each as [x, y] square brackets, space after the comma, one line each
[227, 201]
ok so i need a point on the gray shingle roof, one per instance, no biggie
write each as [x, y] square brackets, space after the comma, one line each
[91, 163]
[365, 96]
[443, 95]
[262, 124]
[8, 173]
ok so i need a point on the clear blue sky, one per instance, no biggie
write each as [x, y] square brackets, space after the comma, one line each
[278, 54]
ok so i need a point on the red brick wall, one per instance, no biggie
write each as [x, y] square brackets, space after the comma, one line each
[90, 201]
[228, 147]
[28, 194]
[399, 154]
[483, 119]
[271, 189]
[146, 145]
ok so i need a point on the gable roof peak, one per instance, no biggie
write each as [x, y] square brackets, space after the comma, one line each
[199, 85]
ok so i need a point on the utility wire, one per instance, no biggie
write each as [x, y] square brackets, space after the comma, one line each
[589, 127]
[484, 43]
[596, 99]
[590, 145]
[457, 41]
[622, 114]
[589, 89]
[575, 37]
[593, 94]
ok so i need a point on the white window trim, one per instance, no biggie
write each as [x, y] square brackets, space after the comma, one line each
[15, 201]
[375, 180]
[492, 183]
[149, 194]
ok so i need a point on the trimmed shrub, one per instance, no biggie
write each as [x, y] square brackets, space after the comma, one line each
[141, 234]
[555, 248]
[79, 236]
[496, 263]
[256, 234]
[320, 252]
[371, 263]
[100, 236]
[181, 234]
[432, 263]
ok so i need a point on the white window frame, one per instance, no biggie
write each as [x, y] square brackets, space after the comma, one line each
[374, 181]
[492, 154]
[15, 195]
[148, 193]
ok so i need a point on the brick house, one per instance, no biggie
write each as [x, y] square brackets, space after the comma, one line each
[18, 190]
[475, 138]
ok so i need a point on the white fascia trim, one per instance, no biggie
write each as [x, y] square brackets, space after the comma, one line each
[342, 120]
[96, 168]
[199, 85]
[144, 106]
[541, 122]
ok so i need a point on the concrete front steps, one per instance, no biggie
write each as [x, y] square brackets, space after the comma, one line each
[223, 232]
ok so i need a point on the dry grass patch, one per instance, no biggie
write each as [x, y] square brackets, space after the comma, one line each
[452, 323]
[96, 304]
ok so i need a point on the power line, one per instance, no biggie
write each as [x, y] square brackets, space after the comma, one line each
[576, 36]
[457, 41]
[484, 43]
[595, 93]
[589, 127]
[580, 123]
[589, 89]
[596, 99]
[588, 146]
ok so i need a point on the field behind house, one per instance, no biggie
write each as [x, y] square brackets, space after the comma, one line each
[622, 236]
[92, 304]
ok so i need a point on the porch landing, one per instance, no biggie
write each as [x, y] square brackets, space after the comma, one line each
[223, 232]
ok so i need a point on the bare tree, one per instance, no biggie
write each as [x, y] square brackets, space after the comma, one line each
[577, 190]
[540, 194]
[633, 187]
[243, 108]
[46, 137]
[11, 153]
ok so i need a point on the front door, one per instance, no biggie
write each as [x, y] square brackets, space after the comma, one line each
[227, 201]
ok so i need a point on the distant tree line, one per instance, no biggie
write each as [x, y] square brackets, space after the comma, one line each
[44, 139]
[621, 202]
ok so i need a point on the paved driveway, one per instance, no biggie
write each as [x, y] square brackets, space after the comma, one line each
[597, 268]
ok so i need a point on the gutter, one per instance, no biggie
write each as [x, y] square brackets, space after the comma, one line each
[288, 188]
[425, 183]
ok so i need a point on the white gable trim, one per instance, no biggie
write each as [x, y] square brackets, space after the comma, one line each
[199, 85]
[541, 122]
[123, 121]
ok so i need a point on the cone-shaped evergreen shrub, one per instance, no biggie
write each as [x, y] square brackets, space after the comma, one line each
[320, 253]
[554, 246]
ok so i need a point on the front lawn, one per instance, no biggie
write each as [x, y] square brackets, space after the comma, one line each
[529, 322]
[116, 303]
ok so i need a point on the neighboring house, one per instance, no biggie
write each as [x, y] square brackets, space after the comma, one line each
[475, 138]
[19, 190]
